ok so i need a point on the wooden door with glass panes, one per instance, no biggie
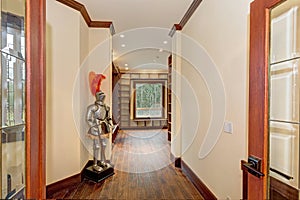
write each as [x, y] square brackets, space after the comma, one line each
[284, 86]
[272, 170]
[22, 114]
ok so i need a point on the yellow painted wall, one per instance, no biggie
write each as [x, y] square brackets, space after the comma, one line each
[221, 27]
[63, 56]
[13, 6]
[69, 42]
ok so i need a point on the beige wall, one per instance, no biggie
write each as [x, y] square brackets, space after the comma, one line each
[68, 92]
[62, 144]
[13, 6]
[221, 27]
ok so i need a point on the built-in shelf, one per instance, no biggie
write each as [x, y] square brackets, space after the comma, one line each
[125, 99]
[169, 111]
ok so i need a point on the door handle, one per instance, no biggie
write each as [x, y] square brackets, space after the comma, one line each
[253, 166]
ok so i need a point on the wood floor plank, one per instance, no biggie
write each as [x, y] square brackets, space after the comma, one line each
[143, 170]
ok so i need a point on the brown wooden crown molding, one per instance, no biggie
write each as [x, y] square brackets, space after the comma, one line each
[92, 24]
[178, 27]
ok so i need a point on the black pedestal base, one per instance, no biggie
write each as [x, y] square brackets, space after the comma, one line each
[98, 176]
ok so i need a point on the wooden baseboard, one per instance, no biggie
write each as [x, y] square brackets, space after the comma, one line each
[201, 187]
[67, 182]
[177, 160]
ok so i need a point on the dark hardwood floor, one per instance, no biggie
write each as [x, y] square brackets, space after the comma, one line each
[143, 170]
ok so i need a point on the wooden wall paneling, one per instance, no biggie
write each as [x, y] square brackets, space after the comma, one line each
[35, 99]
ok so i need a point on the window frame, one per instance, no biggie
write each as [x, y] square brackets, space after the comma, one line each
[134, 82]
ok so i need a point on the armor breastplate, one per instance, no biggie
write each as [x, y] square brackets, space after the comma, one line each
[100, 113]
[98, 119]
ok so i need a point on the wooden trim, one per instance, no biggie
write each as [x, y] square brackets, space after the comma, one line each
[177, 160]
[176, 27]
[35, 99]
[281, 190]
[102, 24]
[245, 180]
[92, 24]
[201, 187]
[79, 7]
[258, 93]
[188, 14]
[65, 183]
[169, 98]
[193, 7]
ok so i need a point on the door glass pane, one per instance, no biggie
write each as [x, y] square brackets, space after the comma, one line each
[12, 99]
[284, 151]
[285, 43]
[284, 95]
[284, 91]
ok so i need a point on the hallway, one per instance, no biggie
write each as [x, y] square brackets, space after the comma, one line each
[143, 170]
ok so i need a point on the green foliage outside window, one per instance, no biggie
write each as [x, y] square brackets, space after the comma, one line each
[149, 100]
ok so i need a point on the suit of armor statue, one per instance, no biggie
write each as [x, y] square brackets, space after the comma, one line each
[99, 121]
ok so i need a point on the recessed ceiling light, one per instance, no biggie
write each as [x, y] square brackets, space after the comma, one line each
[165, 42]
[126, 68]
[122, 36]
[161, 50]
[126, 65]
[123, 45]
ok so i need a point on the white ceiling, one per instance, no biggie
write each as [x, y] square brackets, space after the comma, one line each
[132, 18]
[148, 59]
[142, 46]
[129, 14]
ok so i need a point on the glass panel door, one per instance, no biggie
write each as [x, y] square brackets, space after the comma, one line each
[284, 85]
[12, 99]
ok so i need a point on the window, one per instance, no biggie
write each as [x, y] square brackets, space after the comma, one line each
[149, 99]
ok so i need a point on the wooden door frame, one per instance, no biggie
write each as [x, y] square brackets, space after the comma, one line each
[35, 99]
[258, 140]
